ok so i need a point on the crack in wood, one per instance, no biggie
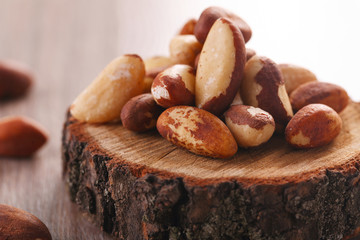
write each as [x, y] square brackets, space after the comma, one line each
[164, 155]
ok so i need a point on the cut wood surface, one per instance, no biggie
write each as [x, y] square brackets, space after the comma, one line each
[139, 186]
[273, 160]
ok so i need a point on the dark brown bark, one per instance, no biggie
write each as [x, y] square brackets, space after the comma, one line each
[134, 205]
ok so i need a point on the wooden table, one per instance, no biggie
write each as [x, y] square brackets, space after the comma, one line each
[67, 43]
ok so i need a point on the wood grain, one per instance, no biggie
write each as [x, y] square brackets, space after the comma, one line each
[274, 160]
[139, 186]
[66, 46]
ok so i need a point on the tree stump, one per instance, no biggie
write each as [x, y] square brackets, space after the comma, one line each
[139, 186]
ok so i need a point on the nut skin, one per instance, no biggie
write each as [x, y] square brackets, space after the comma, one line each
[17, 224]
[198, 131]
[188, 27]
[153, 66]
[262, 86]
[20, 137]
[294, 76]
[184, 49]
[220, 67]
[211, 14]
[329, 94]
[15, 80]
[312, 126]
[140, 113]
[249, 53]
[103, 99]
[174, 86]
[250, 126]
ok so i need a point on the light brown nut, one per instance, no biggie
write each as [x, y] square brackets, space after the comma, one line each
[294, 76]
[198, 131]
[174, 86]
[314, 125]
[211, 14]
[17, 224]
[188, 27]
[20, 137]
[262, 86]
[329, 94]
[147, 84]
[153, 66]
[249, 125]
[140, 113]
[237, 100]
[220, 67]
[249, 53]
[15, 79]
[104, 98]
[196, 62]
[184, 49]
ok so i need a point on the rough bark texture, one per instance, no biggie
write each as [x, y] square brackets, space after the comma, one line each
[133, 205]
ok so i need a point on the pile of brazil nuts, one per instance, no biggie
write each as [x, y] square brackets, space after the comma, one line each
[213, 95]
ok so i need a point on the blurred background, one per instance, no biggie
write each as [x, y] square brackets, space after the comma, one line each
[67, 43]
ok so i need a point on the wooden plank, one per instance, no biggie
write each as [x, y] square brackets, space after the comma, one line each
[66, 43]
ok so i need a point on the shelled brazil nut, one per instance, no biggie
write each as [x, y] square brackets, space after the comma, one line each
[20, 136]
[220, 67]
[104, 98]
[249, 125]
[211, 14]
[314, 125]
[184, 49]
[174, 86]
[153, 66]
[329, 94]
[17, 224]
[140, 113]
[197, 130]
[294, 76]
[208, 78]
[15, 79]
[188, 27]
[262, 86]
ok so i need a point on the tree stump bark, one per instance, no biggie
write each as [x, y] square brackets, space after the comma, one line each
[139, 186]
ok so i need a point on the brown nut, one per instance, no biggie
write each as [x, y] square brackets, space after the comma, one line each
[220, 67]
[198, 131]
[188, 27]
[104, 98]
[249, 53]
[314, 125]
[262, 86]
[211, 14]
[174, 86]
[17, 224]
[184, 49]
[249, 125]
[294, 76]
[153, 66]
[15, 79]
[329, 94]
[20, 137]
[140, 113]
